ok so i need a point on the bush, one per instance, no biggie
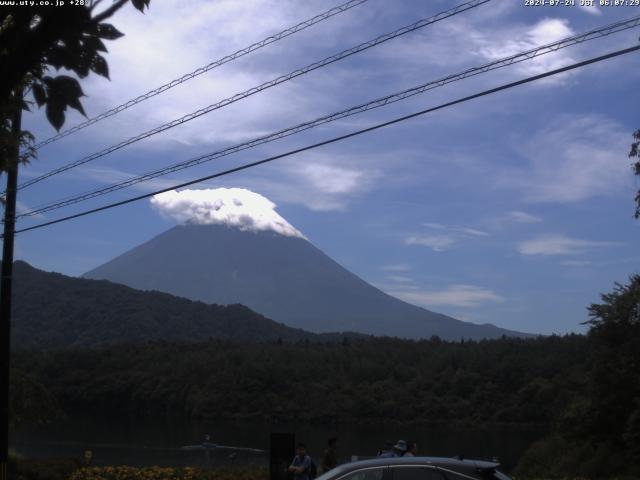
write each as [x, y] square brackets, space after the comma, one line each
[168, 473]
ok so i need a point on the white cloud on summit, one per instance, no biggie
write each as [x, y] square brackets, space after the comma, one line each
[233, 207]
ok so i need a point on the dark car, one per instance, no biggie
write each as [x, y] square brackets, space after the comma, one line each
[416, 468]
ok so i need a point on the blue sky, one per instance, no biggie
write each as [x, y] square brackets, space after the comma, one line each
[514, 209]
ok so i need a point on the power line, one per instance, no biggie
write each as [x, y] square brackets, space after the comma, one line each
[271, 83]
[339, 138]
[377, 103]
[199, 71]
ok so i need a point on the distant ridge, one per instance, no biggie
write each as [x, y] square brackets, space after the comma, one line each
[53, 311]
[283, 277]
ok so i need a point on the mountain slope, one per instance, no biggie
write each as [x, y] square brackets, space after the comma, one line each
[55, 311]
[282, 277]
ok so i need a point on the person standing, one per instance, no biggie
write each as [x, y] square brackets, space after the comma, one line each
[301, 464]
[412, 449]
[386, 451]
[330, 457]
[400, 448]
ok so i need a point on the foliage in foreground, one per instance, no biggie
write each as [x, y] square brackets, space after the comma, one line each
[70, 469]
[598, 434]
[37, 40]
[168, 473]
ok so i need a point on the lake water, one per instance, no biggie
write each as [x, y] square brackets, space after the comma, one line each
[147, 443]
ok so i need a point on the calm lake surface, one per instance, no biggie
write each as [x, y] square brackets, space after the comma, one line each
[144, 443]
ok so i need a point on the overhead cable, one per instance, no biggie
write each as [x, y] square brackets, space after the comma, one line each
[264, 86]
[373, 104]
[206, 68]
[337, 139]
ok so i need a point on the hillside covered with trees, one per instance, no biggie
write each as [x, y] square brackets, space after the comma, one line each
[54, 311]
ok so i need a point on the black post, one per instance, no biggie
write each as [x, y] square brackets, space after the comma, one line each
[5, 286]
[281, 451]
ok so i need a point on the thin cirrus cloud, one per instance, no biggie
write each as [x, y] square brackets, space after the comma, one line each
[316, 181]
[558, 244]
[171, 48]
[522, 217]
[445, 237]
[400, 279]
[480, 38]
[543, 32]
[396, 267]
[566, 162]
[437, 243]
[457, 295]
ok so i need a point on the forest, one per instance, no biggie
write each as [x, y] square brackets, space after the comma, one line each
[500, 381]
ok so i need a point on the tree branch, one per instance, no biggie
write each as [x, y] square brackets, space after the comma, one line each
[109, 11]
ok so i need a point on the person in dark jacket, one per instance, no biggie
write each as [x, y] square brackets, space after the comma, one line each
[412, 449]
[386, 451]
[330, 457]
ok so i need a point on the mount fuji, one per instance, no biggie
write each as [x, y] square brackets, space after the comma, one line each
[222, 255]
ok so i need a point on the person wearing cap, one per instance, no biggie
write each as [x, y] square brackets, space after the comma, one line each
[399, 448]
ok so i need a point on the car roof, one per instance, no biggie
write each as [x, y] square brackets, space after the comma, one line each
[453, 463]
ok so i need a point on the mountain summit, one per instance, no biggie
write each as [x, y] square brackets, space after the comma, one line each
[280, 275]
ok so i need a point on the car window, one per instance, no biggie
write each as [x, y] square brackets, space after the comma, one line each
[366, 474]
[416, 473]
[500, 476]
[468, 475]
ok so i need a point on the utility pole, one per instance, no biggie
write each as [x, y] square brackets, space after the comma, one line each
[6, 281]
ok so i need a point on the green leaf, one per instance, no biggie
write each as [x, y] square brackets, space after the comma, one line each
[39, 94]
[70, 91]
[62, 92]
[140, 4]
[108, 31]
[68, 86]
[94, 44]
[76, 105]
[55, 112]
[61, 57]
[100, 66]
